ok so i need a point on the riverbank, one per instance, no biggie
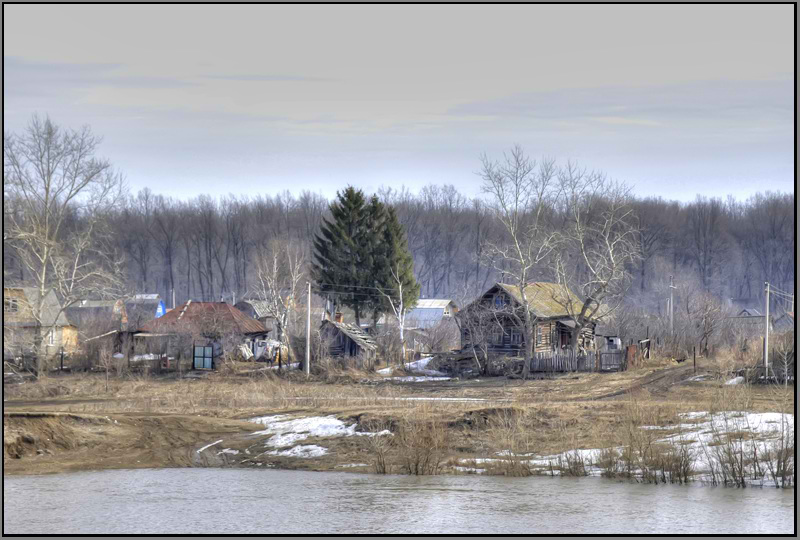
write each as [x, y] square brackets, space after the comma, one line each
[72, 423]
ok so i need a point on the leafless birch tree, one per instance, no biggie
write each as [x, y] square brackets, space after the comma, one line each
[280, 270]
[521, 194]
[62, 194]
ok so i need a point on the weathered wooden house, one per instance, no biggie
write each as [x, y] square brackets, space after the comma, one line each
[347, 339]
[22, 329]
[494, 318]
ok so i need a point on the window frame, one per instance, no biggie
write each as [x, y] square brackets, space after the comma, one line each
[10, 305]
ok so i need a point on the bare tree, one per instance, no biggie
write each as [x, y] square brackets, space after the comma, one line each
[597, 246]
[280, 270]
[62, 194]
[521, 194]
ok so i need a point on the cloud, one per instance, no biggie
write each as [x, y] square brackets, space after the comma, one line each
[267, 78]
[26, 78]
[698, 102]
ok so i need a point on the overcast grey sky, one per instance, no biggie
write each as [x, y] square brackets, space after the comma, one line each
[675, 100]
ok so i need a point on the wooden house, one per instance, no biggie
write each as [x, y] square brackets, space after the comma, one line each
[347, 339]
[212, 328]
[494, 318]
[22, 329]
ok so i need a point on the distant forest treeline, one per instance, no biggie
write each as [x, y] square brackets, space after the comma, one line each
[205, 248]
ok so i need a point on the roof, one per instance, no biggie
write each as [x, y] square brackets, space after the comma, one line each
[363, 339]
[95, 313]
[424, 317]
[205, 318]
[259, 307]
[438, 303]
[145, 298]
[52, 314]
[141, 308]
[546, 300]
[752, 312]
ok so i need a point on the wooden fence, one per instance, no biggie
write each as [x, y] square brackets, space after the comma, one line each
[565, 361]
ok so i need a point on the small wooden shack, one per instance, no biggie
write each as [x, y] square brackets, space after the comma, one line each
[347, 339]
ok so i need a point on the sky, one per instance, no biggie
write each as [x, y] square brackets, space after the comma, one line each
[675, 100]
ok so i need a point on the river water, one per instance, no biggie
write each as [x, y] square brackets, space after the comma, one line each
[272, 501]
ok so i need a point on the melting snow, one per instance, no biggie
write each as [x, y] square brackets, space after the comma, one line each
[287, 432]
[206, 447]
[230, 451]
[423, 378]
[302, 451]
[735, 380]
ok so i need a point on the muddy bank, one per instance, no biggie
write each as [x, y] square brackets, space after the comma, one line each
[45, 442]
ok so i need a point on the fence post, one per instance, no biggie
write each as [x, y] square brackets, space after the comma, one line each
[694, 359]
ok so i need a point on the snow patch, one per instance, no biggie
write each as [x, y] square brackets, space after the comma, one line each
[230, 451]
[423, 378]
[206, 447]
[350, 465]
[735, 380]
[302, 451]
[288, 432]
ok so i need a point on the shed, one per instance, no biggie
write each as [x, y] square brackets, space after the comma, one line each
[347, 339]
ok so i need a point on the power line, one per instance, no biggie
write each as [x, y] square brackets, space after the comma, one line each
[345, 285]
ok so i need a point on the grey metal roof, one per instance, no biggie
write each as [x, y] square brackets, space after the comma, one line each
[424, 317]
[438, 303]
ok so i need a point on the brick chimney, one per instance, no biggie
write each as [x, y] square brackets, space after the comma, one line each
[338, 317]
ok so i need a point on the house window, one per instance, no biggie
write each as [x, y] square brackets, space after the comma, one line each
[10, 305]
[446, 312]
[499, 300]
[516, 337]
[203, 357]
[51, 337]
[538, 335]
[497, 337]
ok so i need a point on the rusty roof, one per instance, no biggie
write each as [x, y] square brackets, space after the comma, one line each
[205, 317]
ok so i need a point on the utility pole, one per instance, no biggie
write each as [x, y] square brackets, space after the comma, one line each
[307, 367]
[766, 328]
[671, 308]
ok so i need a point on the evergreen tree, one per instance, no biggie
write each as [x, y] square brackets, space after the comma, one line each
[358, 252]
[394, 268]
[342, 259]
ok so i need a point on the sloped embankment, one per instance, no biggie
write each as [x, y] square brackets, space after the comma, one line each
[44, 442]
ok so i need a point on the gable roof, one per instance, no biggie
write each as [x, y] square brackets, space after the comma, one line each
[97, 313]
[205, 317]
[363, 339]
[430, 303]
[546, 300]
[52, 313]
[259, 307]
[428, 312]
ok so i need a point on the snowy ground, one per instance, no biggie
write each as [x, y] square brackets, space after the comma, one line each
[286, 433]
[701, 434]
[417, 378]
[418, 367]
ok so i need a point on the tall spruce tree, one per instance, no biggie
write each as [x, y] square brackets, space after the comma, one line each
[358, 252]
[394, 268]
[342, 259]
